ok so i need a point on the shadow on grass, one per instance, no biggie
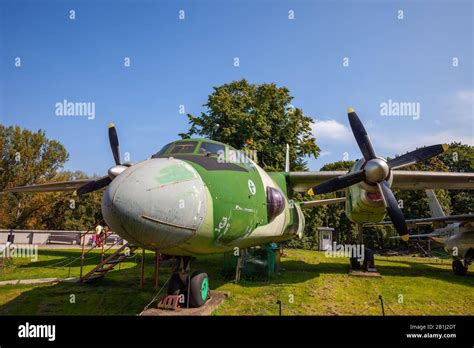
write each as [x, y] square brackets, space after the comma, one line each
[63, 257]
[119, 292]
[427, 270]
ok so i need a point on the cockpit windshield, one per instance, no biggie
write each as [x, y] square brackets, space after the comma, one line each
[183, 147]
[211, 148]
[162, 151]
[176, 148]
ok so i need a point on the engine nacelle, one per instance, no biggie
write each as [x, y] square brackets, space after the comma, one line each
[364, 202]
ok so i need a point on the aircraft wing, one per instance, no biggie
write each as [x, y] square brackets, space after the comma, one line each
[402, 179]
[319, 202]
[303, 181]
[418, 180]
[423, 235]
[50, 187]
[430, 220]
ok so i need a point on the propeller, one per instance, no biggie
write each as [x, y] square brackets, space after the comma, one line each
[94, 185]
[114, 143]
[376, 171]
[97, 184]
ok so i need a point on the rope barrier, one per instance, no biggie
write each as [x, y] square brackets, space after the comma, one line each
[154, 298]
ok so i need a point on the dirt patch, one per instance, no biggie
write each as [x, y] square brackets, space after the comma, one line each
[217, 298]
[364, 274]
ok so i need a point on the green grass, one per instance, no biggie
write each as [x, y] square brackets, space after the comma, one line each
[318, 285]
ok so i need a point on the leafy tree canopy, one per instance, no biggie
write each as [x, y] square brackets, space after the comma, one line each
[31, 158]
[257, 117]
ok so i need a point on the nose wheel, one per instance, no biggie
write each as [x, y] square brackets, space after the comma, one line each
[193, 290]
[198, 289]
[368, 264]
[459, 268]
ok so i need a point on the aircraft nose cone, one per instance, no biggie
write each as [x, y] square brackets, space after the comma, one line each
[157, 204]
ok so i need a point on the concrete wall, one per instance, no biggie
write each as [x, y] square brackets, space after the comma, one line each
[41, 236]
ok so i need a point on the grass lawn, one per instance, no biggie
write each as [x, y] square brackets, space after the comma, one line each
[311, 284]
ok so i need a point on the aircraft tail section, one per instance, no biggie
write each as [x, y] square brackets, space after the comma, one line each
[435, 207]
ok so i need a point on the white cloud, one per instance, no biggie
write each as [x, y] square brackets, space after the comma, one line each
[459, 108]
[454, 122]
[331, 130]
[324, 153]
[466, 95]
[401, 144]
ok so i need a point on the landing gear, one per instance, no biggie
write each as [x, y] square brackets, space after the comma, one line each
[175, 285]
[355, 264]
[459, 268]
[192, 290]
[368, 264]
[198, 289]
[369, 261]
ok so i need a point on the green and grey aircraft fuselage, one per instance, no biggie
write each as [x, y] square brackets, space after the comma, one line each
[187, 201]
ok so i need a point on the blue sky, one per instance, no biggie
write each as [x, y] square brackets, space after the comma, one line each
[177, 62]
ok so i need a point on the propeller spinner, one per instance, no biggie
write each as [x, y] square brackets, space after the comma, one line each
[376, 171]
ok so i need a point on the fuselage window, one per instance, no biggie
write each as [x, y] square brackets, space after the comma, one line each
[275, 203]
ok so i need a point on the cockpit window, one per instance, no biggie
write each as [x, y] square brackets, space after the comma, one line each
[184, 147]
[162, 151]
[211, 148]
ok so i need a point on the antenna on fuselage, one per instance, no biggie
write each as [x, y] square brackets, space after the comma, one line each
[287, 158]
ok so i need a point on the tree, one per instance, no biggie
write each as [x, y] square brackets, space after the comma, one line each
[257, 117]
[330, 215]
[31, 158]
[460, 158]
[26, 158]
[68, 212]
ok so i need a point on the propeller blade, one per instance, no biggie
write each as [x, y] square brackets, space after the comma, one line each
[338, 183]
[393, 210]
[417, 155]
[114, 143]
[93, 185]
[361, 135]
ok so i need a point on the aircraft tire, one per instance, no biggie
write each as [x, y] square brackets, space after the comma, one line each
[199, 289]
[459, 268]
[369, 260]
[355, 264]
[175, 285]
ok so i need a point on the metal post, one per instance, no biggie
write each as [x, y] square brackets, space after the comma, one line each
[82, 254]
[157, 269]
[189, 290]
[142, 269]
[381, 303]
[279, 307]
[101, 251]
